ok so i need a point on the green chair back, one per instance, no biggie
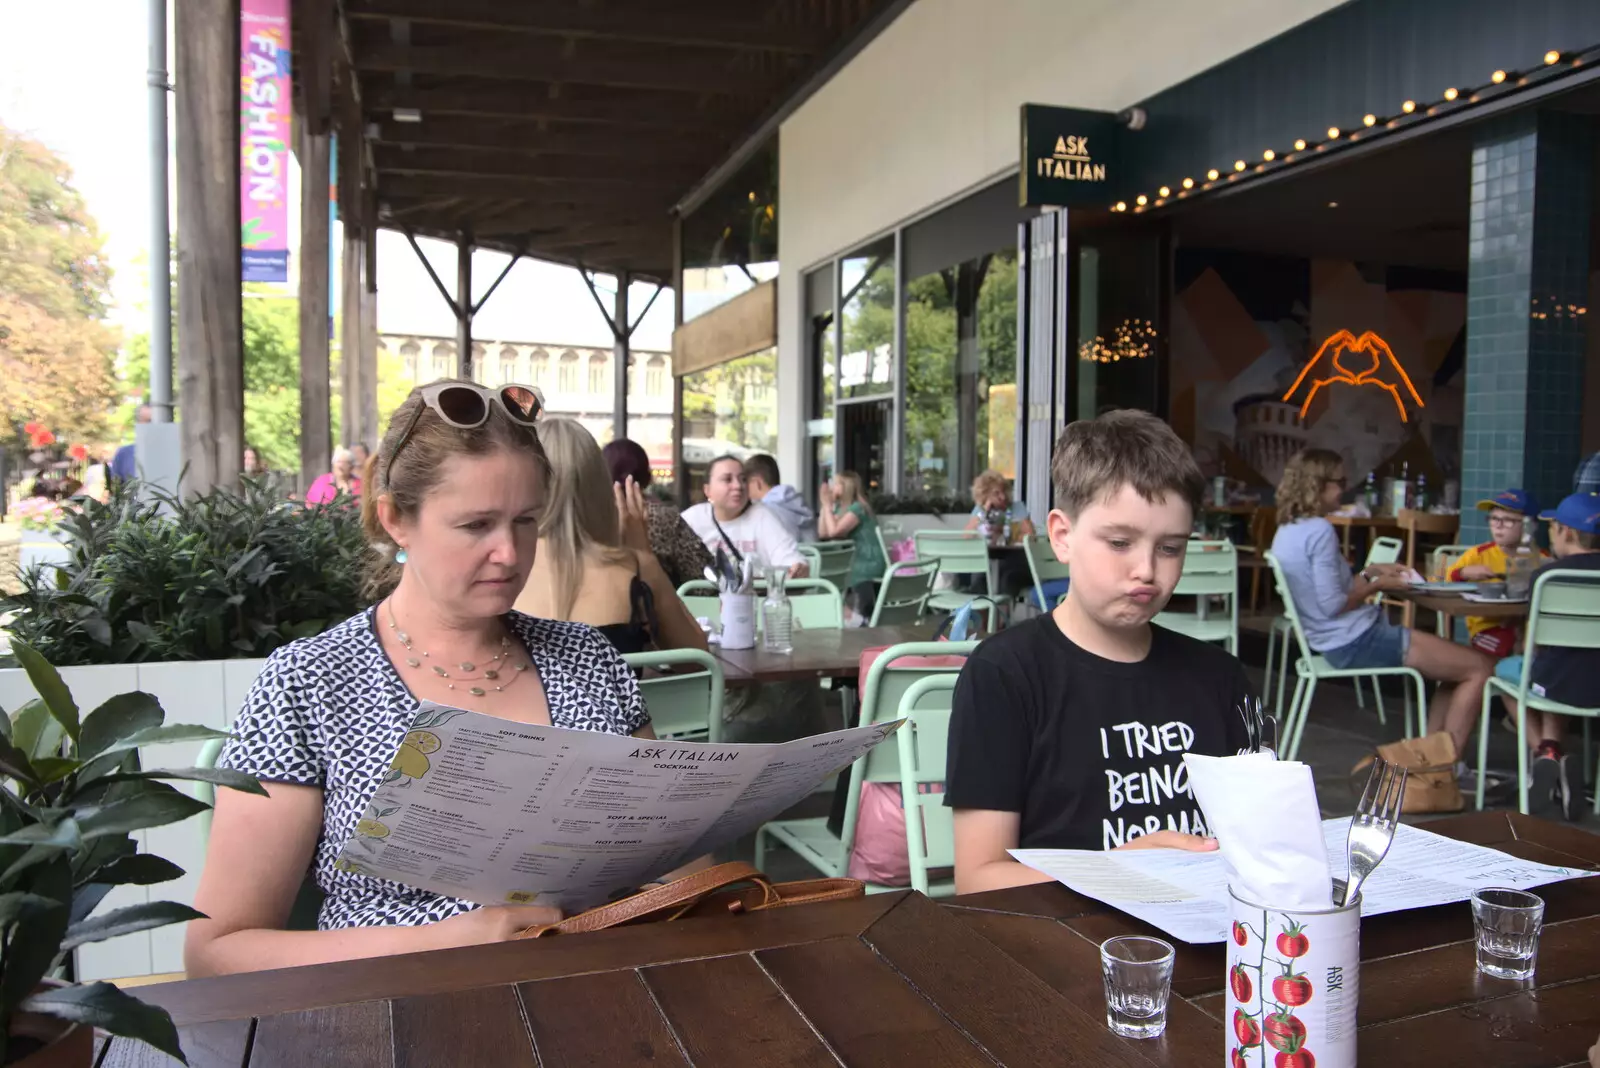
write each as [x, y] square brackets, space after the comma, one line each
[702, 600]
[1042, 564]
[887, 530]
[1289, 610]
[903, 597]
[834, 559]
[923, 744]
[1442, 559]
[817, 602]
[1210, 569]
[1385, 551]
[682, 703]
[1565, 612]
[813, 559]
[959, 552]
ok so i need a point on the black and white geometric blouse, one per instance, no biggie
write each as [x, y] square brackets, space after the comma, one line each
[330, 711]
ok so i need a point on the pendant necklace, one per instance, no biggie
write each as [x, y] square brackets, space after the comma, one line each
[495, 672]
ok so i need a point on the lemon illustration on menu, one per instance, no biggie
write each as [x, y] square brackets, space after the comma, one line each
[411, 762]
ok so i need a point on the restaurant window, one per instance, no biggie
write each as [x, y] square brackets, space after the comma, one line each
[729, 408]
[567, 373]
[599, 380]
[864, 412]
[822, 374]
[730, 241]
[444, 361]
[1117, 304]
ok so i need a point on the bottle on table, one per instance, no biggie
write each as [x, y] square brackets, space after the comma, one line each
[777, 614]
[1419, 498]
[1372, 492]
[1521, 566]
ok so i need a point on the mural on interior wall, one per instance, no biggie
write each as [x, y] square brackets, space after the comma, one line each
[1270, 355]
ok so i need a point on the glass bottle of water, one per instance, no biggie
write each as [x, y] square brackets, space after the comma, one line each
[777, 615]
[1520, 568]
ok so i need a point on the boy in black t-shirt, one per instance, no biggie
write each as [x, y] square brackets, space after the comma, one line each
[1068, 731]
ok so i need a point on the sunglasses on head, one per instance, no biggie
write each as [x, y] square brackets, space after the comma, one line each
[466, 405]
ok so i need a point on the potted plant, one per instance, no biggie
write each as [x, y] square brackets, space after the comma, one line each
[72, 793]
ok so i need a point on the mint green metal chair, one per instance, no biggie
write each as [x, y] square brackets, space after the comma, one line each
[1210, 569]
[831, 560]
[904, 592]
[959, 552]
[702, 600]
[1565, 612]
[923, 744]
[682, 703]
[888, 681]
[1046, 571]
[1311, 669]
[817, 602]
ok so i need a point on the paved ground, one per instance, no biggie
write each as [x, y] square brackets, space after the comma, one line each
[1337, 735]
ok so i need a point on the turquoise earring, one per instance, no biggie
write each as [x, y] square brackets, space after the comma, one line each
[400, 556]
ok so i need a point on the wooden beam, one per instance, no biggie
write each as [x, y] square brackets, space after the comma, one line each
[316, 36]
[531, 100]
[210, 336]
[648, 24]
[351, 387]
[534, 138]
[316, 433]
[520, 64]
[491, 163]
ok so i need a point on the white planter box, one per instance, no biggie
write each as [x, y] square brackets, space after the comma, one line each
[206, 693]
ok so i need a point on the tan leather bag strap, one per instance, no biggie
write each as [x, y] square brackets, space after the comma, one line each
[672, 899]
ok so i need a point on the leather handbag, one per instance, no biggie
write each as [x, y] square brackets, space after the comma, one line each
[723, 889]
[1431, 784]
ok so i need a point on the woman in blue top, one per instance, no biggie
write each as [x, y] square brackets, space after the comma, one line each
[1332, 601]
[846, 514]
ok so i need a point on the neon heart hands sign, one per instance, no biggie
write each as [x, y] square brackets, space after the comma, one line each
[1356, 361]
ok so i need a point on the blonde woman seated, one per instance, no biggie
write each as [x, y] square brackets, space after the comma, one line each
[594, 563]
[846, 514]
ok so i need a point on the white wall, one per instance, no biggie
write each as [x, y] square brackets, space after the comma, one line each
[930, 110]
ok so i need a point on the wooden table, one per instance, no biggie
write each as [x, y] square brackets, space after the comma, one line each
[1009, 978]
[1371, 522]
[819, 653]
[1449, 606]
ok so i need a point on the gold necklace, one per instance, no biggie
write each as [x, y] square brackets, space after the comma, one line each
[490, 674]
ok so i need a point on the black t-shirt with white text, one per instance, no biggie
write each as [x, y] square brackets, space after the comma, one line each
[1088, 750]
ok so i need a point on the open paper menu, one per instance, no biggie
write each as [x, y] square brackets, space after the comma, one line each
[1186, 894]
[499, 812]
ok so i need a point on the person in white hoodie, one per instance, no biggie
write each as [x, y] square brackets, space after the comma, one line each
[766, 486]
[728, 519]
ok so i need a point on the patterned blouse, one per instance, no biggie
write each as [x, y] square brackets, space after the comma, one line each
[330, 712]
[682, 554]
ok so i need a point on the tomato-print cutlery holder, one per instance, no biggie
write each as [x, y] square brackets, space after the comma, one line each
[738, 620]
[1294, 979]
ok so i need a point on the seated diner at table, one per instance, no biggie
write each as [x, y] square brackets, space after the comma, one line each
[992, 506]
[845, 514]
[452, 521]
[1332, 601]
[742, 528]
[1509, 513]
[594, 563]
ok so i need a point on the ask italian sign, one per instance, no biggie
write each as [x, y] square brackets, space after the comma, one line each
[1069, 157]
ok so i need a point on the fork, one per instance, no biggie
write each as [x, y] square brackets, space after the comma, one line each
[1372, 827]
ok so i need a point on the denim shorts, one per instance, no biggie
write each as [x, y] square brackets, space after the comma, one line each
[1382, 645]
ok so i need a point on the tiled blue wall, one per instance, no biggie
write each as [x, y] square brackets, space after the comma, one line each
[1527, 295]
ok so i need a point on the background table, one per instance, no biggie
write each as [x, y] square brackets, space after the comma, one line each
[1449, 606]
[1373, 523]
[819, 653]
[1010, 978]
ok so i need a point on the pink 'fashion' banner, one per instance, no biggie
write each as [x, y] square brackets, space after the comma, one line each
[264, 103]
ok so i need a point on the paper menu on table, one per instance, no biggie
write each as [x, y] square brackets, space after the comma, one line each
[499, 812]
[1186, 894]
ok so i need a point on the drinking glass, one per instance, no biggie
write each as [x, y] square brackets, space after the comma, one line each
[1507, 924]
[1138, 975]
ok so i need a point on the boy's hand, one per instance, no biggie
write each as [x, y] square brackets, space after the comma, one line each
[1194, 843]
[1477, 573]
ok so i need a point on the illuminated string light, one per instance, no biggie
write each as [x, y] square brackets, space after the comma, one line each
[1213, 174]
[1369, 119]
[1552, 57]
[1141, 200]
[1188, 183]
[1300, 144]
[1497, 77]
[1121, 205]
[1269, 155]
[1333, 133]
[1238, 164]
[1165, 191]
[1133, 339]
[1451, 93]
[1409, 106]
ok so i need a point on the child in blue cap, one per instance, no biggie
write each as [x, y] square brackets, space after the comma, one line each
[1567, 674]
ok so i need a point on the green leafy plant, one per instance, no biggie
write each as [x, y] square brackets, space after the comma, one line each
[71, 795]
[152, 576]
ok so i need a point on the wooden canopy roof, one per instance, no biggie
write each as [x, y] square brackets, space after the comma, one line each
[564, 128]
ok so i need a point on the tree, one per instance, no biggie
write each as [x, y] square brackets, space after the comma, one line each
[56, 350]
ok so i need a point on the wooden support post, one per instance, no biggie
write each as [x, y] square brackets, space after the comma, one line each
[621, 344]
[316, 431]
[463, 308]
[367, 417]
[210, 336]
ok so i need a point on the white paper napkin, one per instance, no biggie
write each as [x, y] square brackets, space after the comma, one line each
[1263, 812]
